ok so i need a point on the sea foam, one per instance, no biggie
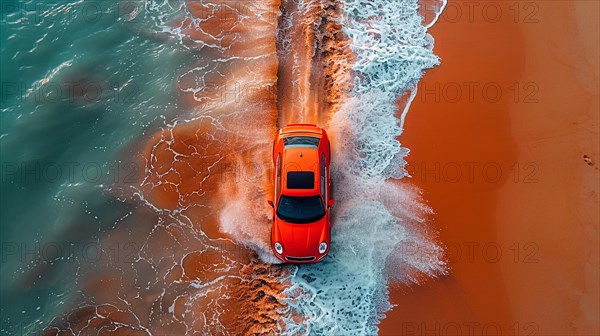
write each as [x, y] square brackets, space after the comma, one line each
[379, 232]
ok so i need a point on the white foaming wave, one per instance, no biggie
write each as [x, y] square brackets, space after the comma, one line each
[246, 217]
[369, 127]
[246, 224]
[346, 294]
[379, 232]
[431, 11]
[391, 43]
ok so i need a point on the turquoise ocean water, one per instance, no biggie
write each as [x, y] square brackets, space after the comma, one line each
[81, 82]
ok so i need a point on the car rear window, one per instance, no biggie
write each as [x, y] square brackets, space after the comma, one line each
[300, 180]
[300, 142]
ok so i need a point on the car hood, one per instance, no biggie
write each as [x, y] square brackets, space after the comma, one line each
[301, 240]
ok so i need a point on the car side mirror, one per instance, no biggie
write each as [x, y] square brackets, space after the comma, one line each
[271, 203]
[330, 203]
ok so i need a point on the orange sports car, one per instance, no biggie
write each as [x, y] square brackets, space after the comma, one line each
[302, 197]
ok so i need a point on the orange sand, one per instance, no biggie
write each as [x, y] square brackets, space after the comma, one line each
[523, 245]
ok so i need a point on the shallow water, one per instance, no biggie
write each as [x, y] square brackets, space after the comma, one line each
[134, 194]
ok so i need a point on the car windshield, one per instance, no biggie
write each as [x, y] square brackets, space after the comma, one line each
[300, 210]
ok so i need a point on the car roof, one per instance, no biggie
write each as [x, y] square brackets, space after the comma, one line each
[300, 167]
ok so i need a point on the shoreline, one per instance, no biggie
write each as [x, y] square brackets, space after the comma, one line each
[498, 171]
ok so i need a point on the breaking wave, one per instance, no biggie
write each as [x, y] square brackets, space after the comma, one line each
[378, 233]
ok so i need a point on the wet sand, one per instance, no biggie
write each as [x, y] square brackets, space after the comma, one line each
[313, 57]
[185, 272]
[504, 144]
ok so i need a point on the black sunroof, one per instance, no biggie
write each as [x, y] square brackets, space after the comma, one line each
[301, 180]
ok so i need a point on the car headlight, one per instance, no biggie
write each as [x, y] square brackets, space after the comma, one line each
[278, 248]
[322, 247]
